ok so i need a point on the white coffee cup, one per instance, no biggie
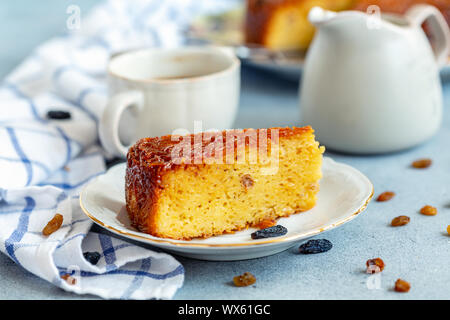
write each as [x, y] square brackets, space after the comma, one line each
[154, 92]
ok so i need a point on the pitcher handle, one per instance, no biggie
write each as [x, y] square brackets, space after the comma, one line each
[440, 31]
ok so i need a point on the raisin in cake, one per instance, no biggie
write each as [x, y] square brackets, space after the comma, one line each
[207, 184]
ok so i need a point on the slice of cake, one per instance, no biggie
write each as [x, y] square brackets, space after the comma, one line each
[283, 24]
[207, 184]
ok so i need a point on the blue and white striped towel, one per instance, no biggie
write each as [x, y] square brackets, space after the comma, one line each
[44, 163]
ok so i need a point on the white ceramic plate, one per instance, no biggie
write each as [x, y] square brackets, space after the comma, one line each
[293, 70]
[344, 194]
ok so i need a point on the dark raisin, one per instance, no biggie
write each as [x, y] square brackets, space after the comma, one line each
[58, 115]
[274, 231]
[92, 257]
[112, 162]
[315, 246]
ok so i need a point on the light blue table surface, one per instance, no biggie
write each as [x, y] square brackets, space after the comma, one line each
[418, 252]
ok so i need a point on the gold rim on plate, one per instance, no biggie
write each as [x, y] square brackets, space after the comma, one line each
[184, 244]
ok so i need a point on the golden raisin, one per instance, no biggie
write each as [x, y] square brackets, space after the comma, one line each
[385, 196]
[421, 163]
[53, 225]
[374, 265]
[400, 221]
[247, 181]
[244, 280]
[266, 223]
[69, 279]
[428, 211]
[402, 285]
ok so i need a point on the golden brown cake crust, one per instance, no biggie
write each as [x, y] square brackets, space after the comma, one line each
[142, 188]
[158, 151]
[151, 158]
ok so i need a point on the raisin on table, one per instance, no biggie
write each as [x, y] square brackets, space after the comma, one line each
[421, 163]
[315, 246]
[374, 265]
[244, 280]
[400, 221]
[402, 286]
[385, 196]
[428, 210]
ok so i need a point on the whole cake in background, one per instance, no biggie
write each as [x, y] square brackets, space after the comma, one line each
[284, 25]
[215, 183]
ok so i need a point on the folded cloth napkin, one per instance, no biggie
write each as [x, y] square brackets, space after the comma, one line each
[44, 162]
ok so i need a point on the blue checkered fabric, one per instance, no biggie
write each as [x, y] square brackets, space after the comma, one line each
[44, 162]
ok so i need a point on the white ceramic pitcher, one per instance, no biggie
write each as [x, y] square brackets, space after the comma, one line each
[372, 86]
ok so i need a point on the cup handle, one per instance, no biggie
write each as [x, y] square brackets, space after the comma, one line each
[439, 29]
[109, 122]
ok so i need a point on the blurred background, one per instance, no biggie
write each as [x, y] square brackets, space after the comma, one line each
[25, 24]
